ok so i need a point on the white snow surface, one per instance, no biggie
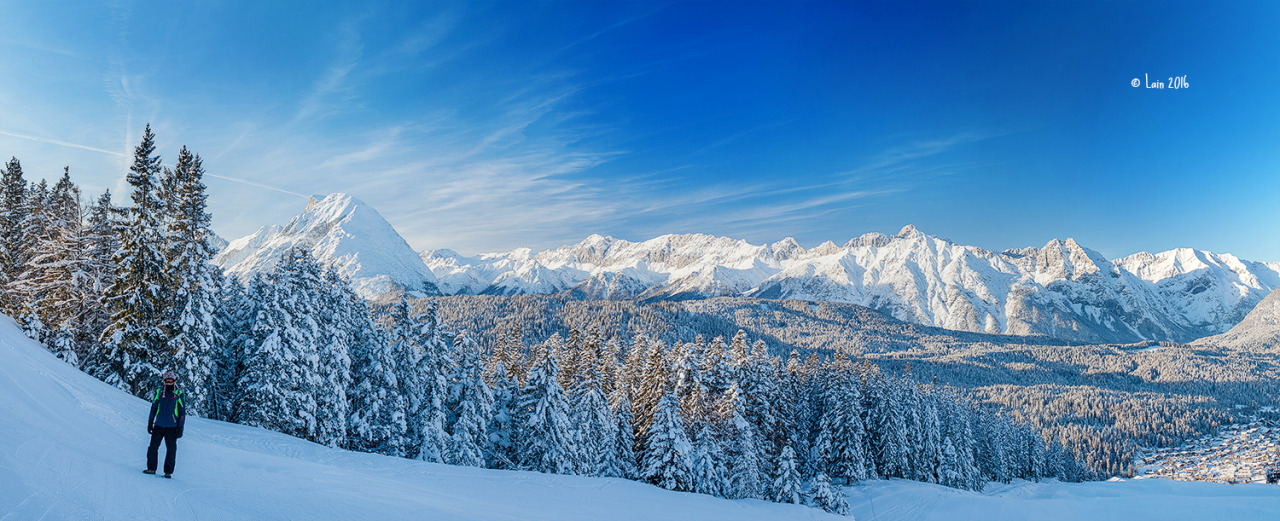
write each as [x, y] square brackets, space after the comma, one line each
[1117, 499]
[72, 448]
[342, 233]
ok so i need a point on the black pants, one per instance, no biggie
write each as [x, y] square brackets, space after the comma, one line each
[170, 437]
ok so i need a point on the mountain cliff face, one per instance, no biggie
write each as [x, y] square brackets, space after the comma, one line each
[344, 234]
[1061, 289]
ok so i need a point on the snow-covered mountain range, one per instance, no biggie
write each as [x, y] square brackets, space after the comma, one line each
[1061, 289]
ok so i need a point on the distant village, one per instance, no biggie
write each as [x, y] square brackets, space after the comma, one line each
[1239, 453]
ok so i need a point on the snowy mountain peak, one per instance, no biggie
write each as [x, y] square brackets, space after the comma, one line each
[870, 240]
[786, 248]
[910, 232]
[1060, 259]
[344, 234]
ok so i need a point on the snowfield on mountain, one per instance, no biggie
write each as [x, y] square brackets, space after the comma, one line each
[1062, 289]
[72, 447]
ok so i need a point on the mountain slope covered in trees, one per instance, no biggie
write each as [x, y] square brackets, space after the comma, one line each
[1101, 401]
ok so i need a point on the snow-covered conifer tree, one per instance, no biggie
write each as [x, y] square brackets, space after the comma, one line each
[233, 319]
[55, 284]
[546, 440]
[710, 474]
[622, 462]
[275, 385]
[506, 421]
[433, 365]
[838, 448]
[194, 299]
[823, 495]
[14, 241]
[665, 461]
[335, 318]
[136, 337]
[743, 450]
[786, 479]
[469, 439]
[593, 421]
[377, 412]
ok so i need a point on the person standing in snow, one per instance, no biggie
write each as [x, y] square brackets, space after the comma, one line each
[168, 415]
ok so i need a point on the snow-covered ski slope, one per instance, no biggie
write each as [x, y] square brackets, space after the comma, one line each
[72, 447]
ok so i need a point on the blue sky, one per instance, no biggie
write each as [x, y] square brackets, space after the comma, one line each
[488, 126]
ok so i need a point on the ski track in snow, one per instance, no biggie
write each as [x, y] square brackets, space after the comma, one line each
[73, 448]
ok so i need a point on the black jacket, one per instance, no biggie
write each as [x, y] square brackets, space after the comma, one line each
[167, 409]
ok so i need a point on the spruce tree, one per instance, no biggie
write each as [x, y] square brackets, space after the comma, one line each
[234, 322]
[277, 376]
[469, 439]
[546, 438]
[504, 425]
[593, 422]
[55, 284]
[827, 497]
[193, 292]
[665, 462]
[786, 480]
[14, 243]
[433, 365]
[335, 323]
[744, 452]
[622, 462]
[838, 448]
[710, 475]
[377, 422]
[101, 243]
[136, 337]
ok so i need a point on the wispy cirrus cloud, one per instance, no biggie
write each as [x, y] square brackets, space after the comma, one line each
[333, 89]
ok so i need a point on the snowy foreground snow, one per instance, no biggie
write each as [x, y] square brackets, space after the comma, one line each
[72, 447]
[1128, 500]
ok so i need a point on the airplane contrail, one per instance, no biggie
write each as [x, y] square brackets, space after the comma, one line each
[255, 184]
[119, 154]
[61, 143]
